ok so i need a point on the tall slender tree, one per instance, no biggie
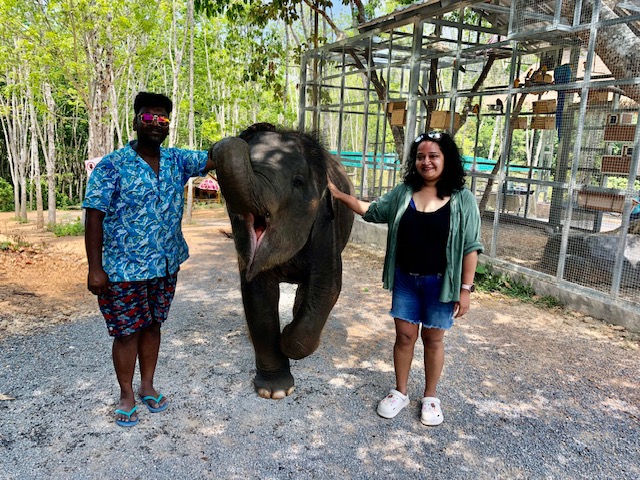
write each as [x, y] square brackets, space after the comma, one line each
[191, 122]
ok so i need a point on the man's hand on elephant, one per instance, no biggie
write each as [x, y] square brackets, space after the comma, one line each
[98, 281]
[211, 161]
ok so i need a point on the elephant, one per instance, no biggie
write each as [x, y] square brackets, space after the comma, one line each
[286, 228]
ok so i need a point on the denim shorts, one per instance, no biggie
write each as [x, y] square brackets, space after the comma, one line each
[131, 306]
[416, 300]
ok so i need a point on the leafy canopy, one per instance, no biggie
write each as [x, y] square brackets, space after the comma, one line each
[259, 13]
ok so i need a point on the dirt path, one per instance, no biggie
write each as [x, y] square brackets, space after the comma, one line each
[528, 393]
[44, 280]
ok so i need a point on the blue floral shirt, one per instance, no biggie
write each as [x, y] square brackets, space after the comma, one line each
[142, 232]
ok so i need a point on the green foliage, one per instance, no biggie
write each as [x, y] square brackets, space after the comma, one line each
[621, 183]
[481, 269]
[62, 199]
[547, 301]
[232, 9]
[260, 13]
[14, 245]
[211, 130]
[489, 281]
[6, 196]
[502, 283]
[73, 229]
[370, 9]
[244, 70]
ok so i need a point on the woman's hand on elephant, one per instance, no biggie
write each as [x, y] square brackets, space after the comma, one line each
[333, 189]
[357, 206]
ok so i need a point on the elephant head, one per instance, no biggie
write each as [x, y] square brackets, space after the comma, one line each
[273, 184]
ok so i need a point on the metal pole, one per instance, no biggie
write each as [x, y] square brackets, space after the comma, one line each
[385, 112]
[566, 230]
[301, 94]
[626, 211]
[505, 148]
[365, 119]
[456, 69]
[341, 106]
[414, 80]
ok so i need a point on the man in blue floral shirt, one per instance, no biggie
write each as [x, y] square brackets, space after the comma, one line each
[135, 246]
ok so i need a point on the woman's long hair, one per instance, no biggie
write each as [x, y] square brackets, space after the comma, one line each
[453, 173]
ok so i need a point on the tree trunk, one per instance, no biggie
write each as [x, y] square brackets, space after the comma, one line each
[100, 127]
[497, 125]
[21, 139]
[176, 53]
[191, 122]
[50, 157]
[619, 49]
[35, 158]
[11, 129]
[115, 116]
[487, 191]
[476, 86]
[22, 174]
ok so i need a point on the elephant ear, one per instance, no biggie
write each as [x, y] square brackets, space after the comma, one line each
[329, 199]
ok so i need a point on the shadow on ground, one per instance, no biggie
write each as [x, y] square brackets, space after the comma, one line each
[526, 393]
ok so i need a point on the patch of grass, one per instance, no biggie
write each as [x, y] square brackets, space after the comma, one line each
[16, 245]
[547, 301]
[6, 246]
[489, 281]
[72, 229]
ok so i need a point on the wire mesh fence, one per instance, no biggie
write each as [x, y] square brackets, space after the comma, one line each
[543, 100]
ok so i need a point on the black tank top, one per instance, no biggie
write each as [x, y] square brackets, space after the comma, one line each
[422, 240]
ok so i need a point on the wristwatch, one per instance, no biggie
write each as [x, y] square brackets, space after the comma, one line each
[468, 286]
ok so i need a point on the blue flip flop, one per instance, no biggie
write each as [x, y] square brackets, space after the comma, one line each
[150, 398]
[127, 423]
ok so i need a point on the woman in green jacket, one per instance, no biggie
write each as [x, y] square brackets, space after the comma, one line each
[433, 244]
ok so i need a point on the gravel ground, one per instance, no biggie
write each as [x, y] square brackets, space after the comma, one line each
[526, 393]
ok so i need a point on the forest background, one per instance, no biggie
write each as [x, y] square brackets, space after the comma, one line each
[70, 69]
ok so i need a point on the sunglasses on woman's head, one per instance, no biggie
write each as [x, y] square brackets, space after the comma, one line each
[430, 135]
[148, 118]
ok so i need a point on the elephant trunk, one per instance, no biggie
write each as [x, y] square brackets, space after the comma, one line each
[234, 172]
[246, 200]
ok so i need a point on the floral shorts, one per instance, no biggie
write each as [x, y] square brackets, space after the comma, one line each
[131, 306]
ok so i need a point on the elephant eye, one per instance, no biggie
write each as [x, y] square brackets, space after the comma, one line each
[298, 181]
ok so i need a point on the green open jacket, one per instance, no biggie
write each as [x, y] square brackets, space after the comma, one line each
[464, 234]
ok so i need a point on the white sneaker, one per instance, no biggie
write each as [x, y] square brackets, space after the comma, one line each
[391, 405]
[431, 412]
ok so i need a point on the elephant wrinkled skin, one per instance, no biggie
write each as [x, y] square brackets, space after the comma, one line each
[286, 228]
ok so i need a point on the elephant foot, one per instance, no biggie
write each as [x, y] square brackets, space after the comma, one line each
[274, 385]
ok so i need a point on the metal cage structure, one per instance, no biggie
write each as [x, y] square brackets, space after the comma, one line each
[543, 99]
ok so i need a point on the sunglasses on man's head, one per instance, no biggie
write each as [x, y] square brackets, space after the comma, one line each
[148, 118]
[430, 135]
